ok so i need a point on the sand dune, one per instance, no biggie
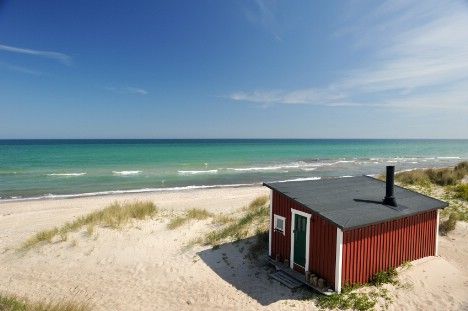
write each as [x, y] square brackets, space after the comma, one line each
[147, 267]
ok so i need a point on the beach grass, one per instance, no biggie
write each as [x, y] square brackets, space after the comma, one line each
[362, 297]
[389, 276]
[191, 214]
[448, 224]
[114, 216]
[439, 176]
[253, 221]
[13, 303]
[445, 184]
[461, 192]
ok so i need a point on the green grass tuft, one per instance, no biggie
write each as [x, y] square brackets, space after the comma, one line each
[255, 220]
[448, 225]
[191, 214]
[114, 216]
[259, 202]
[198, 214]
[461, 192]
[385, 277]
[440, 176]
[12, 303]
[176, 222]
[361, 297]
[260, 246]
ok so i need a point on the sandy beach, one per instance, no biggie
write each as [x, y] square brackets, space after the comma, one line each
[146, 266]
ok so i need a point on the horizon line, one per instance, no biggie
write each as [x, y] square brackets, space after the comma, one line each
[250, 138]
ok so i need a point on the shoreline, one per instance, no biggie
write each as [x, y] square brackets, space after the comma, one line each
[48, 213]
[51, 197]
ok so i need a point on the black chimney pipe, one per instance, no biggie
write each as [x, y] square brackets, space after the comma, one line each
[390, 184]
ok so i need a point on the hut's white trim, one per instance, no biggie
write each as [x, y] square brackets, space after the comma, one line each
[437, 234]
[293, 221]
[338, 259]
[271, 224]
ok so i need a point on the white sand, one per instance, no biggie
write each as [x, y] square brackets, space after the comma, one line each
[146, 267]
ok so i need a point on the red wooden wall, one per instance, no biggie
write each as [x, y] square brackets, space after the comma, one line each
[375, 248]
[322, 238]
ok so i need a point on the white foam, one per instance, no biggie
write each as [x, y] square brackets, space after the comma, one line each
[448, 158]
[66, 174]
[197, 172]
[308, 169]
[264, 168]
[125, 173]
[143, 190]
[300, 179]
[346, 176]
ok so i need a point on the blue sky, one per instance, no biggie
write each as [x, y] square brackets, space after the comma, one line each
[233, 69]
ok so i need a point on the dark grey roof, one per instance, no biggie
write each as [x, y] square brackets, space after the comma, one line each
[355, 201]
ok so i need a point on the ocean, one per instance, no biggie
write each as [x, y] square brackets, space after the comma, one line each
[69, 168]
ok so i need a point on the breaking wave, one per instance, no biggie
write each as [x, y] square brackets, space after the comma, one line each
[67, 174]
[125, 173]
[197, 172]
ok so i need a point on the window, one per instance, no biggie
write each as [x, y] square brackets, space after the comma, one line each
[280, 224]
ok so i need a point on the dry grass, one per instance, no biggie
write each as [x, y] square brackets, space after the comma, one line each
[445, 184]
[441, 176]
[12, 303]
[448, 225]
[260, 246]
[258, 202]
[114, 216]
[254, 221]
[191, 214]
[223, 219]
[461, 192]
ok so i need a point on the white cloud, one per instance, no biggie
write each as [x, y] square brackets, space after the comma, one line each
[60, 57]
[20, 69]
[302, 96]
[127, 90]
[135, 90]
[263, 13]
[419, 60]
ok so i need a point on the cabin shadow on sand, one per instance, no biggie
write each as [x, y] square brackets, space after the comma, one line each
[235, 263]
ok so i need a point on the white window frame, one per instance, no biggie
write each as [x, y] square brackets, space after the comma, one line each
[275, 218]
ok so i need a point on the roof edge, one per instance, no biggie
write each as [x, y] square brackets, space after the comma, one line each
[443, 205]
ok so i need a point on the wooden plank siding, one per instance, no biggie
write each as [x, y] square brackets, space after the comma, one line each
[379, 247]
[322, 245]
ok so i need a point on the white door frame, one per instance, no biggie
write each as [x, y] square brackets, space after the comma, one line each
[437, 234]
[293, 223]
[271, 223]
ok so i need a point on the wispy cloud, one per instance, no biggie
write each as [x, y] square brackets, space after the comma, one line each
[419, 59]
[262, 13]
[302, 96]
[60, 57]
[20, 69]
[127, 90]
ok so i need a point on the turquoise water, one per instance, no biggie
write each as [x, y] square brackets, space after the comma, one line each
[50, 168]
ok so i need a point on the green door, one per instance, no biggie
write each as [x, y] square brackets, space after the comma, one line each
[300, 228]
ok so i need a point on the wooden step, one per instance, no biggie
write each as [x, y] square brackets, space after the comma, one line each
[286, 280]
